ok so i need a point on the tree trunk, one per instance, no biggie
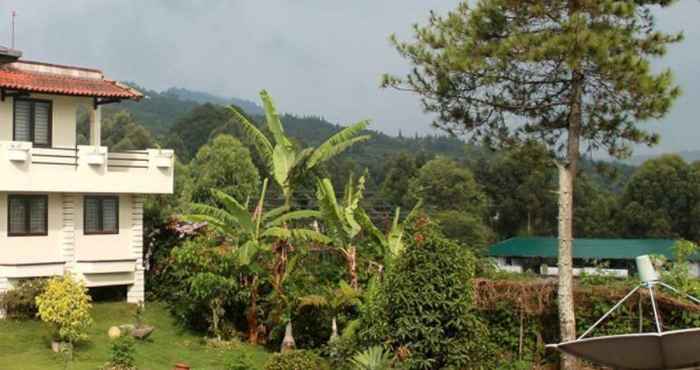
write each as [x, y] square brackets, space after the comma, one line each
[252, 314]
[351, 260]
[334, 333]
[567, 177]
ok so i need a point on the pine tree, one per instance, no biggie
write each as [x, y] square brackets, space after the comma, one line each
[572, 74]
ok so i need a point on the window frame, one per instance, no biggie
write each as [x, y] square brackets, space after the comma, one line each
[32, 120]
[26, 198]
[100, 214]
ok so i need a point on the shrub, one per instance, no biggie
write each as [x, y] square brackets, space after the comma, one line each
[296, 360]
[121, 354]
[20, 302]
[240, 361]
[65, 305]
[206, 294]
[373, 358]
[426, 301]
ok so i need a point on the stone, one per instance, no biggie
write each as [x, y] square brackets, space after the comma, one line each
[114, 332]
[142, 332]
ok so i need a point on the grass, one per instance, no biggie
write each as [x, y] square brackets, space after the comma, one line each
[25, 345]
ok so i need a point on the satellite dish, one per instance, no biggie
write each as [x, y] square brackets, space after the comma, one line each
[676, 349]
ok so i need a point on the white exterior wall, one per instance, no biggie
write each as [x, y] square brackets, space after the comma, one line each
[66, 173]
[67, 168]
[33, 249]
[136, 292]
[64, 110]
[100, 260]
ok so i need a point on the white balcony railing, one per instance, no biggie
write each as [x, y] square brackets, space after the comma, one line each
[84, 169]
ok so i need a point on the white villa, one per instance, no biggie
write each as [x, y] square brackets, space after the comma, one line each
[66, 207]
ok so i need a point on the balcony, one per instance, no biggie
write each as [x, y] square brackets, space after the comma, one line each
[84, 169]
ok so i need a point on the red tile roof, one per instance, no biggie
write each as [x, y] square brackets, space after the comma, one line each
[63, 80]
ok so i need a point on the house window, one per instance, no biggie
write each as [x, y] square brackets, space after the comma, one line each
[101, 215]
[27, 215]
[32, 121]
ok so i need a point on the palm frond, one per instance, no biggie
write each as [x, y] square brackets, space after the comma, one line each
[294, 215]
[273, 120]
[283, 161]
[373, 358]
[337, 143]
[234, 208]
[321, 155]
[283, 233]
[312, 300]
[328, 203]
[247, 252]
[257, 138]
[274, 213]
[366, 222]
[213, 222]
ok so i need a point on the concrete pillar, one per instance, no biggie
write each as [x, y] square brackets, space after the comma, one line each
[96, 126]
[4, 286]
[136, 292]
[70, 210]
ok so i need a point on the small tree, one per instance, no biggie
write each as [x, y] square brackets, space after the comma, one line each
[255, 233]
[121, 354]
[65, 305]
[340, 220]
[426, 305]
[223, 164]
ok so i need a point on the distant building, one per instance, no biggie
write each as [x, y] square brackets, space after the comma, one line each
[66, 207]
[613, 257]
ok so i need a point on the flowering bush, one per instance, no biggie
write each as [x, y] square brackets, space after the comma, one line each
[65, 305]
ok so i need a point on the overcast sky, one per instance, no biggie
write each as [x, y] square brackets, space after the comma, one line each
[315, 56]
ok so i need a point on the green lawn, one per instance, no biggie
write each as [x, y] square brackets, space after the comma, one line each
[24, 345]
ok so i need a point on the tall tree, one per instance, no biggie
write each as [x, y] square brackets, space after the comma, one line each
[223, 164]
[564, 72]
[520, 183]
[443, 184]
[662, 200]
[287, 163]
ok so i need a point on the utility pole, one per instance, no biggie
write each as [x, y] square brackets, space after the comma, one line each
[12, 29]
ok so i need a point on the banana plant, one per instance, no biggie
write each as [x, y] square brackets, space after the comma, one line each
[256, 232]
[392, 243]
[340, 220]
[287, 163]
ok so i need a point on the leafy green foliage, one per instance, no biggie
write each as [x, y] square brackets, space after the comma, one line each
[521, 184]
[662, 199]
[426, 306]
[65, 305]
[373, 358]
[122, 353]
[481, 67]
[223, 164]
[443, 184]
[20, 302]
[206, 293]
[287, 163]
[296, 360]
[240, 361]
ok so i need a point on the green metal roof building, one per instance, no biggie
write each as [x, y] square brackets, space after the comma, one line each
[599, 249]
[540, 254]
